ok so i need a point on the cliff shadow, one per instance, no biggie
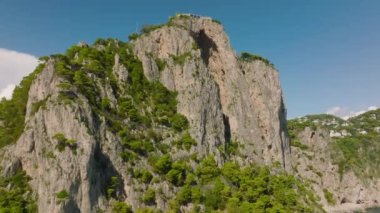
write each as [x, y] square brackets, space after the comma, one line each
[105, 180]
[205, 44]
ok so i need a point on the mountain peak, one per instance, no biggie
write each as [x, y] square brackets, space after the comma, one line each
[133, 125]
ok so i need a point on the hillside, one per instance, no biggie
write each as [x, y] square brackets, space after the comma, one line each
[171, 121]
[340, 158]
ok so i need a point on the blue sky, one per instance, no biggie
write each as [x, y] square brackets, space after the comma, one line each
[327, 51]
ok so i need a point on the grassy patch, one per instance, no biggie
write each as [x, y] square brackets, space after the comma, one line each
[161, 64]
[37, 105]
[181, 59]
[62, 195]
[329, 197]
[64, 142]
[146, 29]
[250, 57]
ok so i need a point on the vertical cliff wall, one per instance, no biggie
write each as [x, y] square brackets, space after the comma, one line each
[82, 120]
[225, 98]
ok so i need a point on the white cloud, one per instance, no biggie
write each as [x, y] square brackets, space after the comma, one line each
[334, 110]
[372, 108]
[7, 91]
[346, 113]
[13, 67]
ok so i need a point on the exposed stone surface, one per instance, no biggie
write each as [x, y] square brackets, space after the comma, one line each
[239, 101]
[315, 164]
[224, 99]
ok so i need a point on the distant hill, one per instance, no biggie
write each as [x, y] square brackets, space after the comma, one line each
[344, 155]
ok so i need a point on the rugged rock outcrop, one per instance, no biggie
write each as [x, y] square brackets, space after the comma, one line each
[68, 146]
[224, 98]
[339, 191]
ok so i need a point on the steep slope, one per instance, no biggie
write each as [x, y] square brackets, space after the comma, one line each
[173, 121]
[340, 158]
[243, 96]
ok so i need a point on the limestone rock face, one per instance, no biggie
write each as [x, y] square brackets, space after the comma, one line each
[53, 171]
[226, 99]
[315, 164]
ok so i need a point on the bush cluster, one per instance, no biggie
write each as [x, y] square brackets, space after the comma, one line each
[244, 56]
[13, 111]
[16, 194]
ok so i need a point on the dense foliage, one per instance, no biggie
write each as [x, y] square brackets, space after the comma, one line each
[15, 194]
[121, 207]
[247, 189]
[12, 112]
[231, 188]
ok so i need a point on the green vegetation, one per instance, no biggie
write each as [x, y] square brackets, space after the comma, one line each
[322, 121]
[179, 122]
[87, 86]
[106, 104]
[133, 36]
[232, 148]
[145, 119]
[62, 195]
[297, 143]
[64, 142]
[149, 28]
[294, 128]
[121, 207]
[297, 126]
[145, 104]
[329, 197]
[161, 64]
[356, 151]
[367, 121]
[217, 21]
[149, 197]
[186, 142]
[39, 104]
[13, 111]
[66, 97]
[207, 169]
[194, 46]
[249, 57]
[147, 210]
[143, 175]
[163, 164]
[15, 194]
[247, 189]
[113, 186]
[359, 154]
[181, 59]
[178, 16]
[177, 173]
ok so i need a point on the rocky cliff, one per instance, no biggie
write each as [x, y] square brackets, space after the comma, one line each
[241, 100]
[339, 158]
[159, 122]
